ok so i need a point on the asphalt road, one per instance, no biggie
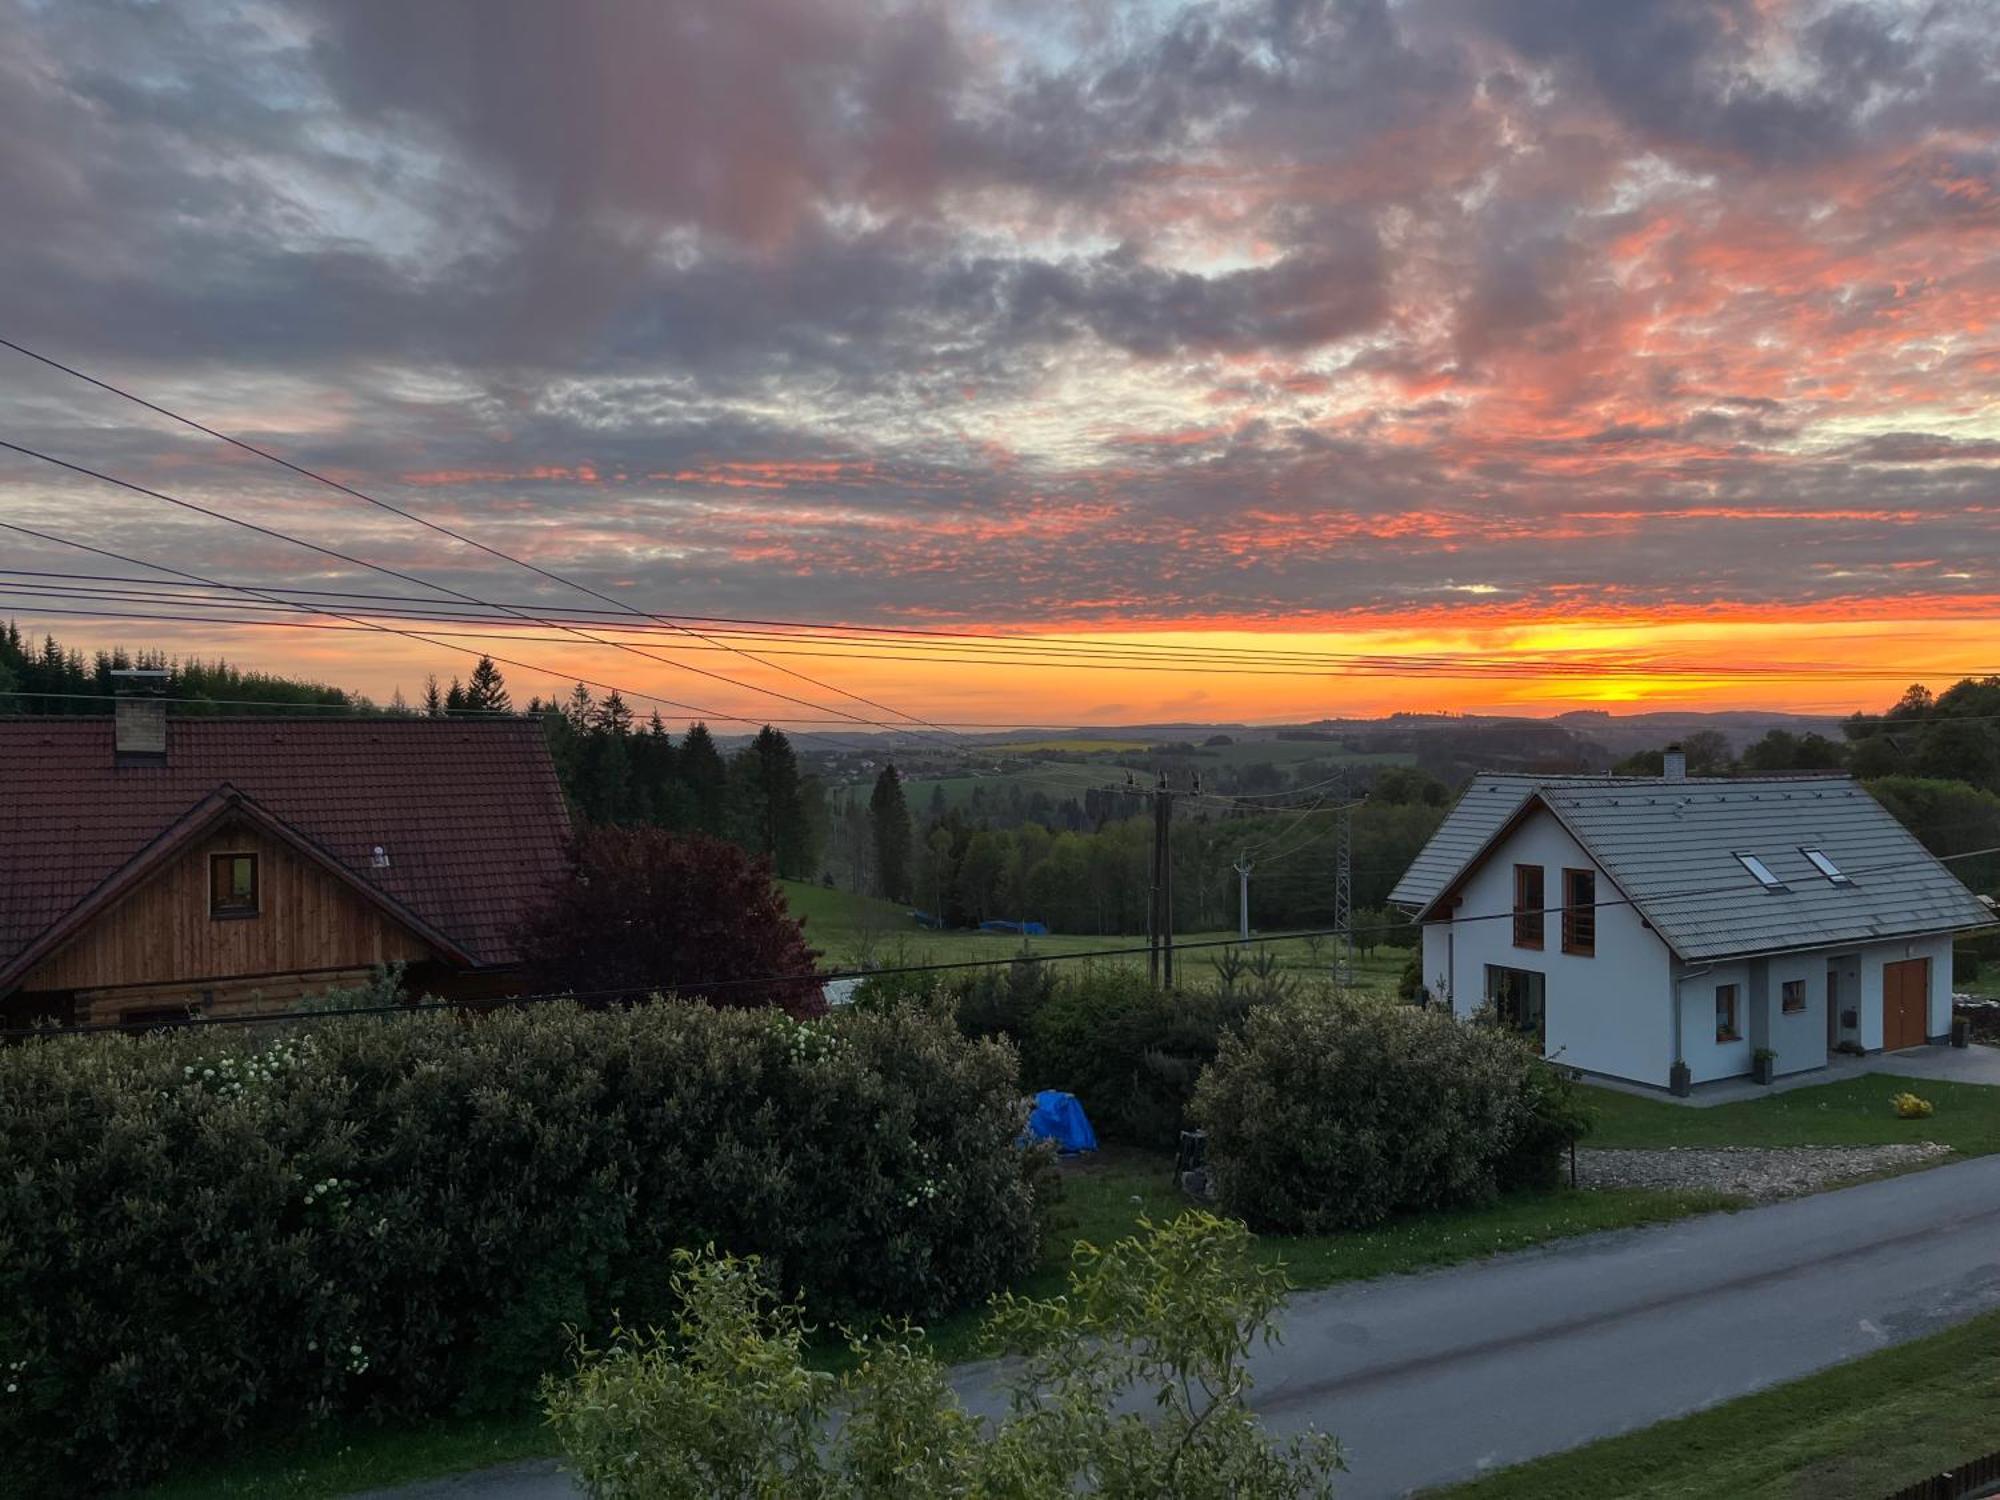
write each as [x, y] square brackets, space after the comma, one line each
[1438, 1377]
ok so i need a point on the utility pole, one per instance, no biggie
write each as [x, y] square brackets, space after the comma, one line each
[1343, 897]
[1160, 921]
[1243, 868]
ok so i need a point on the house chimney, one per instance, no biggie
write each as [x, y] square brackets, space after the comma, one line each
[1674, 764]
[140, 731]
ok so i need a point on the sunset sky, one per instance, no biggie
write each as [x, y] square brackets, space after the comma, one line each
[1597, 353]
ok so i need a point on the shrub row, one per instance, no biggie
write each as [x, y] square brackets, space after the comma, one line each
[200, 1234]
[1130, 1052]
[1339, 1113]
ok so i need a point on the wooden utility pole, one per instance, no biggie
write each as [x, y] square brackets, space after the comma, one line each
[1160, 908]
[1243, 868]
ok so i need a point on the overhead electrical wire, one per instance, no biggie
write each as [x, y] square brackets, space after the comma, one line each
[427, 523]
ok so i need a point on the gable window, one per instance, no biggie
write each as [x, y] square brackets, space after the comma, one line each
[1725, 1014]
[232, 885]
[1826, 866]
[1580, 912]
[1527, 906]
[1762, 871]
[1792, 996]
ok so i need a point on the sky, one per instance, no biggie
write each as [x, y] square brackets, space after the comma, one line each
[1596, 353]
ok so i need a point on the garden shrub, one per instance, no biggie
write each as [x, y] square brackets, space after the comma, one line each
[1130, 1052]
[1134, 1384]
[202, 1232]
[1337, 1114]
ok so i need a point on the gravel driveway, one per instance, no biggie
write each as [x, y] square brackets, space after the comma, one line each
[1759, 1173]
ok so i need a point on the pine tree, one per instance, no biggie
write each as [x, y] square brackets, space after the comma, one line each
[433, 698]
[707, 779]
[581, 709]
[889, 815]
[766, 802]
[454, 699]
[615, 717]
[487, 691]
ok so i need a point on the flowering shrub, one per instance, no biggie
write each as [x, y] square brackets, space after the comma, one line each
[400, 1216]
[1910, 1107]
[1339, 1113]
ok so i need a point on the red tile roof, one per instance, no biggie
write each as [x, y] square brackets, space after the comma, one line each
[470, 813]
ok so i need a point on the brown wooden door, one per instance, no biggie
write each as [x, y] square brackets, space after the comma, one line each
[1905, 1003]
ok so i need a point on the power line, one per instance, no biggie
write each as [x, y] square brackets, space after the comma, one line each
[387, 571]
[440, 529]
[881, 645]
[525, 666]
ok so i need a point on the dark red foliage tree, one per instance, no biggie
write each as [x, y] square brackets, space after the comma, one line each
[647, 910]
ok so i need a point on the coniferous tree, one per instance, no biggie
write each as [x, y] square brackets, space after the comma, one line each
[487, 691]
[580, 709]
[614, 716]
[454, 699]
[889, 816]
[706, 777]
[433, 698]
[768, 806]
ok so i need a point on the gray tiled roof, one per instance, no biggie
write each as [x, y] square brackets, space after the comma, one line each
[1671, 848]
[1487, 803]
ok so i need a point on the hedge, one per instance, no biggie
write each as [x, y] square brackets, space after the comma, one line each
[1337, 1114]
[202, 1233]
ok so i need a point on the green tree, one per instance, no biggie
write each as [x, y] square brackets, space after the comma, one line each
[487, 693]
[979, 875]
[889, 820]
[769, 809]
[706, 778]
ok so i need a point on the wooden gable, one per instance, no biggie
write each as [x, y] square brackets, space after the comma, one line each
[162, 931]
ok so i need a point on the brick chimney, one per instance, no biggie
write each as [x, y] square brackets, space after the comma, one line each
[1674, 764]
[140, 726]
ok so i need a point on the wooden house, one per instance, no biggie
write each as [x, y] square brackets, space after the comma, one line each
[153, 866]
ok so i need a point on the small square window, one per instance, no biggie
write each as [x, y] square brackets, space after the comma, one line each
[1725, 1014]
[1792, 996]
[232, 885]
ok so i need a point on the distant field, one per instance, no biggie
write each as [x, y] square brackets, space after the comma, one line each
[1072, 746]
[856, 930]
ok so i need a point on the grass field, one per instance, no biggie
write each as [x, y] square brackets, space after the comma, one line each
[1075, 745]
[1851, 1112]
[1855, 1432]
[853, 930]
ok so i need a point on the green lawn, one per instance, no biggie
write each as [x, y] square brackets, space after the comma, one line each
[1852, 1112]
[1855, 1432]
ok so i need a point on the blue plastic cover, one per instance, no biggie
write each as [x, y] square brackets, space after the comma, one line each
[1059, 1117]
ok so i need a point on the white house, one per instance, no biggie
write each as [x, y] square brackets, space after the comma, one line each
[1664, 930]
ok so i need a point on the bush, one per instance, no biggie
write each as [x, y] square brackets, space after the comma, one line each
[1129, 1052]
[399, 1217]
[1965, 965]
[1337, 1114]
[1133, 1385]
[1553, 1115]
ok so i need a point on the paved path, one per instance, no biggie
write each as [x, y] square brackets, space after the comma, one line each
[1977, 1063]
[1434, 1378]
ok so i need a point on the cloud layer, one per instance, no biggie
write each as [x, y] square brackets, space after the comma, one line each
[1283, 315]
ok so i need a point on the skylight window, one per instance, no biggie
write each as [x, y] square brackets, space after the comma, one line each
[1762, 871]
[1826, 866]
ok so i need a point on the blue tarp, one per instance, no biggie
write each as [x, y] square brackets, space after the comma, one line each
[1026, 929]
[1059, 1117]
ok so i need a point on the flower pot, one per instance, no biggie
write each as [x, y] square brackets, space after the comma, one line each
[1680, 1080]
[1961, 1032]
[1763, 1069]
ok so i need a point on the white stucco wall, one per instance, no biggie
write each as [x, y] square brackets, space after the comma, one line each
[1607, 1013]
